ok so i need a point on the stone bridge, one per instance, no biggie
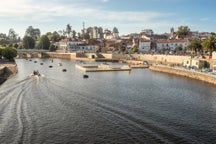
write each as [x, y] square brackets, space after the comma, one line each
[31, 53]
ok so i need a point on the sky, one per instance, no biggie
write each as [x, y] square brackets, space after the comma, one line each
[129, 16]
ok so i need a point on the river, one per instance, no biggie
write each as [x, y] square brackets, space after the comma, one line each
[108, 107]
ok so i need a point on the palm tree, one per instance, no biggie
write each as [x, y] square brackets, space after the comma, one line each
[195, 45]
[68, 30]
[209, 44]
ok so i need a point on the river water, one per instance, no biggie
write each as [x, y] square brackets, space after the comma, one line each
[109, 107]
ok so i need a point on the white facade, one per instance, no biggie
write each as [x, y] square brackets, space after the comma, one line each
[197, 63]
[147, 32]
[214, 55]
[144, 45]
[110, 36]
[187, 63]
[70, 45]
[84, 48]
[214, 68]
[94, 32]
[171, 44]
[145, 37]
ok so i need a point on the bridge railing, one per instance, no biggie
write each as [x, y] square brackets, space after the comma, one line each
[32, 50]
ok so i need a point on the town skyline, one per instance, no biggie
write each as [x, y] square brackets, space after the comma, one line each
[127, 16]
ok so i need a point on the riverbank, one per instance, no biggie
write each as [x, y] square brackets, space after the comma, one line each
[205, 77]
[7, 70]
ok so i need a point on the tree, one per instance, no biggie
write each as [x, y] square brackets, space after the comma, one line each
[115, 30]
[52, 48]
[12, 35]
[29, 31]
[195, 45]
[209, 44]
[4, 42]
[3, 39]
[79, 35]
[122, 49]
[68, 29]
[28, 42]
[34, 33]
[44, 43]
[135, 49]
[163, 50]
[178, 48]
[183, 31]
[16, 45]
[74, 34]
[20, 47]
[1, 50]
[54, 37]
[9, 53]
[86, 36]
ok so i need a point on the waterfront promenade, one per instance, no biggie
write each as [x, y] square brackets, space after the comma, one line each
[202, 76]
[136, 60]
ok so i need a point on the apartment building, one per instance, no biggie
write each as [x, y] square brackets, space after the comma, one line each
[172, 44]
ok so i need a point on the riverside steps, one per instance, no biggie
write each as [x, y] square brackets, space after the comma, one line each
[102, 68]
[202, 76]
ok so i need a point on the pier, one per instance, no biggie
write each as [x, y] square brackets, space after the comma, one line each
[102, 68]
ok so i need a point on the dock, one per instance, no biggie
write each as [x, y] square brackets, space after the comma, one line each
[139, 66]
[102, 68]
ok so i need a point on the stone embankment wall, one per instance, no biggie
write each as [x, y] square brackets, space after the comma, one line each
[6, 71]
[11, 69]
[160, 59]
[58, 55]
[209, 78]
[2, 70]
[172, 59]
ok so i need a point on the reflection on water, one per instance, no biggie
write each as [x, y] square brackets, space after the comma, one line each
[108, 107]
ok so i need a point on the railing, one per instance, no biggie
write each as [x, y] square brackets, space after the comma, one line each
[32, 50]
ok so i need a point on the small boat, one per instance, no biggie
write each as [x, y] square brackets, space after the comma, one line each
[85, 76]
[36, 73]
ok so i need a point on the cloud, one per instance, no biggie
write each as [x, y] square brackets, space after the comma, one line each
[205, 19]
[29, 9]
[105, 1]
[42, 12]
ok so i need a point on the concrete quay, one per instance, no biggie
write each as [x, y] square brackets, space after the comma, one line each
[102, 68]
[205, 77]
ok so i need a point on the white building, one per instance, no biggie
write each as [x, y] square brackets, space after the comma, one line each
[214, 55]
[195, 63]
[147, 32]
[172, 44]
[187, 63]
[94, 32]
[111, 35]
[69, 45]
[144, 45]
